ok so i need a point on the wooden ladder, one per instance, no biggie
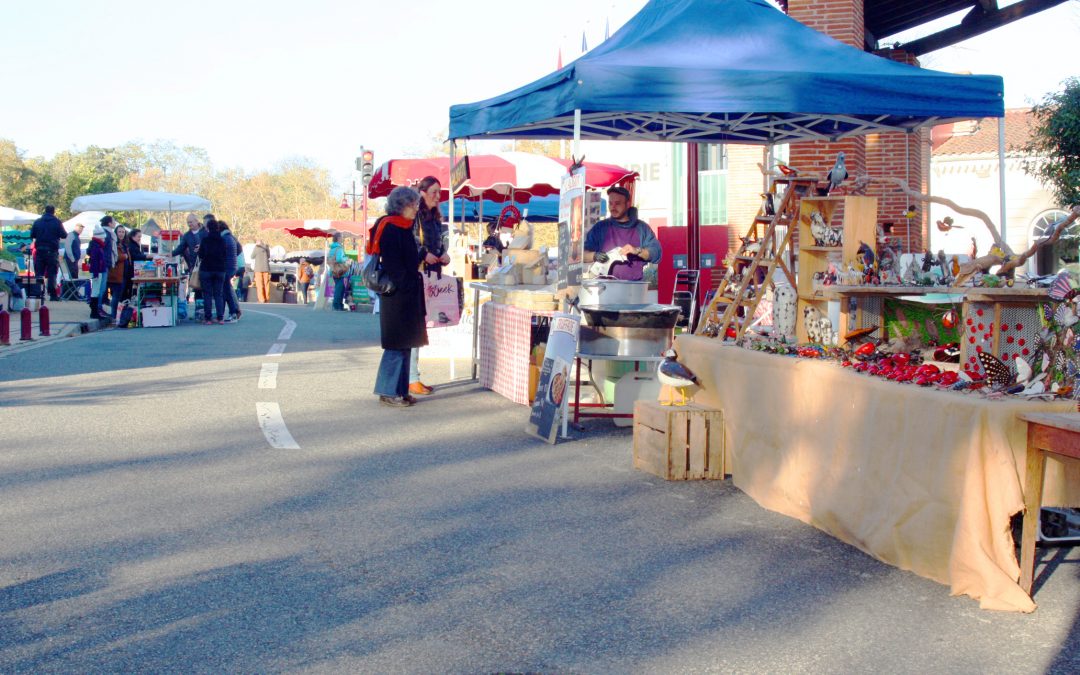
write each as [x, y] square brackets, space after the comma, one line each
[750, 274]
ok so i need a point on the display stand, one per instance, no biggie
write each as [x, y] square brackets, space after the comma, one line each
[168, 287]
[858, 222]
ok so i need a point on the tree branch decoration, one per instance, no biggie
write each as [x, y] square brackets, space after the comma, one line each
[1008, 260]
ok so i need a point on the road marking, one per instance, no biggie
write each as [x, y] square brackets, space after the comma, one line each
[273, 427]
[276, 349]
[268, 376]
[287, 330]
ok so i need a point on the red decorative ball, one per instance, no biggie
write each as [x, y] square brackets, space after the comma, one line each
[979, 312]
[970, 321]
[982, 327]
[1004, 326]
[1010, 339]
[1021, 342]
[971, 339]
[978, 348]
[1025, 351]
[1019, 326]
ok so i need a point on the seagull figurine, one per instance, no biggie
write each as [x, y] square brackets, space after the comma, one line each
[838, 174]
[676, 375]
[947, 224]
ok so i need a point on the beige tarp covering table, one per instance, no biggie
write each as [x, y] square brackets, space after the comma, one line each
[922, 479]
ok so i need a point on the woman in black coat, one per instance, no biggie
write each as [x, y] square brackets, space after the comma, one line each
[402, 313]
[212, 264]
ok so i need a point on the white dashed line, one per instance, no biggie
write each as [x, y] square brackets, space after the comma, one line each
[268, 376]
[273, 427]
[276, 349]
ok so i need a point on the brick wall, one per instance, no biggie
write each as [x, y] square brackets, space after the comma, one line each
[745, 184]
[896, 154]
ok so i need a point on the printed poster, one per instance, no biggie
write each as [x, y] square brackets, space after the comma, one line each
[571, 228]
[555, 387]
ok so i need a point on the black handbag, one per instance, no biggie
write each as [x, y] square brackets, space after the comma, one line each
[375, 277]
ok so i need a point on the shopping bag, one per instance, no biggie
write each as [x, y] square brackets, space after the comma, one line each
[193, 278]
[443, 295]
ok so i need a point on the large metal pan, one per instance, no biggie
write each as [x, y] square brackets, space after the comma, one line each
[631, 316]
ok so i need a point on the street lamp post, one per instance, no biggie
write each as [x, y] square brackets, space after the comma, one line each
[354, 195]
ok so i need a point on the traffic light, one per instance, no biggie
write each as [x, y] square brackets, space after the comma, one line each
[367, 165]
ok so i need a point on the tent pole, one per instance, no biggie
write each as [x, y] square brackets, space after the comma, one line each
[1001, 174]
[577, 134]
[693, 215]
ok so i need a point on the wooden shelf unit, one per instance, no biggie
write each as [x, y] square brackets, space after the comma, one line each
[858, 219]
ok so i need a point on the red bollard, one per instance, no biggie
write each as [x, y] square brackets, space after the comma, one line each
[25, 330]
[43, 320]
[5, 327]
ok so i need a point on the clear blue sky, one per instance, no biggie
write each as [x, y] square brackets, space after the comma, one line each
[255, 83]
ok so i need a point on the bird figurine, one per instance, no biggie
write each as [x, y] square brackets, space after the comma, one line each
[946, 224]
[675, 375]
[954, 266]
[786, 170]
[818, 229]
[866, 254]
[974, 249]
[927, 261]
[838, 174]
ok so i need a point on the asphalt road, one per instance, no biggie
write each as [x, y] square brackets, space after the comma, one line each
[147, 524]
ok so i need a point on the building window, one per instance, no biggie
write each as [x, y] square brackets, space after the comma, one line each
[1065, 253]
[712, 157]
[712, 185]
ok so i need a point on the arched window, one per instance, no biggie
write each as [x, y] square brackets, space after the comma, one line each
[1065, 253]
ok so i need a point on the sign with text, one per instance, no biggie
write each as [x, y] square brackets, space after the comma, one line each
[443, 299]
[571, 228]
[459, 173]
[553, 392]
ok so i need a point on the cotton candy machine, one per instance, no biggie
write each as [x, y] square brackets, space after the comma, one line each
[627, 329]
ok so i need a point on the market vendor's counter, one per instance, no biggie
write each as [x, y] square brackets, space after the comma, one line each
[922, 479]
[506, 341]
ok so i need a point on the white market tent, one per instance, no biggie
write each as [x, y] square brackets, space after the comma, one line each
[10, 216]
[88, 219]
[140, 200]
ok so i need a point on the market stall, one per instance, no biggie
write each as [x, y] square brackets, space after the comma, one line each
[157, 287]
[321, 228]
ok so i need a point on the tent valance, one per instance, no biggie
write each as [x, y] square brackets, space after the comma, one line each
[10, 216]
[316, 228]
[736, 71]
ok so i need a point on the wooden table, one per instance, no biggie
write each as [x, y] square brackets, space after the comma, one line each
[1056, 434]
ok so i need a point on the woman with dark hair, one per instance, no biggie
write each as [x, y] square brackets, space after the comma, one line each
[212, 273]
[401, 316]
[432, 241]
[135, 254]
[118, 271]
[231, 248]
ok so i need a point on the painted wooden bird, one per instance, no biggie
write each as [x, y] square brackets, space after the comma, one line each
[947, 224]
[675, 375]
[838, 174]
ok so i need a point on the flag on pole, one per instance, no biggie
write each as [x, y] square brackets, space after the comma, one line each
[584, 45]
[559, 67]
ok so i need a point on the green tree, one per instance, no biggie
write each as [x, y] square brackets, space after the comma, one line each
[18, 179]
[1054, 149]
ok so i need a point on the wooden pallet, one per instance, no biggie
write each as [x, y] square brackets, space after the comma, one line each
[762, 251]
[678, 442]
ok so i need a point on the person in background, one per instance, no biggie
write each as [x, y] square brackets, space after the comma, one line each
[47, 233]
[135, 254]
[337, 255]
[99, 268]
[260, 266]
[433, 243]
[108, 226]
[118, 272]
[212, 260]
[189, 242]
[304, 275]
[231, 247]
[73, 251]
[401, 318]
[241, 269]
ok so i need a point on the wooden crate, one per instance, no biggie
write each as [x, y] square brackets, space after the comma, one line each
[678, 442]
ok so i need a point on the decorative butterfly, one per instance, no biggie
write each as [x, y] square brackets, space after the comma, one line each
[1061, 289]
[1065, 315]
[997, 373]
[1070, 338]
[1046, 314]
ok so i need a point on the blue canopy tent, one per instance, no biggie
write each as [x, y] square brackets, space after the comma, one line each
[717, 71]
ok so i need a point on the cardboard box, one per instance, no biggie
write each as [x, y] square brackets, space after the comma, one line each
[154, 317]
[679, 442]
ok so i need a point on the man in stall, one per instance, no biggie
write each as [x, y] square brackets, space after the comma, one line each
[632, 237]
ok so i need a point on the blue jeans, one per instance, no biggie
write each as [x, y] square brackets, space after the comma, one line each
[116, 291]
[339, 292]
[393, 376]
[213, 288]
[230, 295]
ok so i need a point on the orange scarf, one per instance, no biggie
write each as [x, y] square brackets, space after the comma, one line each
[373, 243]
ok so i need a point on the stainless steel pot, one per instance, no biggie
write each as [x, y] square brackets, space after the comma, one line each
[612, 291]
[631, 316]
[624, 341]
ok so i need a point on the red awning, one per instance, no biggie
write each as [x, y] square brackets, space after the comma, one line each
[317, 228]
[498, 177]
